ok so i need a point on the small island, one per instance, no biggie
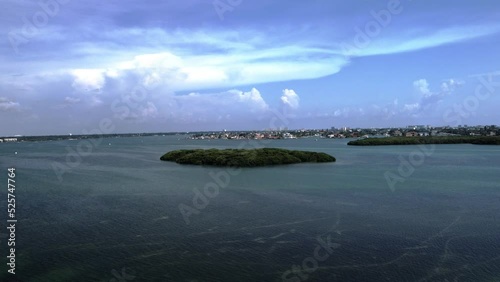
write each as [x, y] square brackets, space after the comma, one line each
[245, 157]
[479, 140]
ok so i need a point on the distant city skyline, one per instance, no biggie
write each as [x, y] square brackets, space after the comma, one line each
[420, 128]
[170, 66]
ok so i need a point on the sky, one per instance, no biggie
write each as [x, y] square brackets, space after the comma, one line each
[71, 66]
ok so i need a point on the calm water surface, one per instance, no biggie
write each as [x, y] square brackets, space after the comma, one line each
[116, 215]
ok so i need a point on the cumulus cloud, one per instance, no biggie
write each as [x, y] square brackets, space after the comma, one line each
[450, 85]
[429, 98]
[447, 87]
[422, 86]
[411, 107]
[253, 98]
[88, 80]
[380, 112]
[232, 102]
[290, 98]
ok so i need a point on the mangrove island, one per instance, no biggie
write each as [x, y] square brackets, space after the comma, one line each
[245, 157]
[479, 140]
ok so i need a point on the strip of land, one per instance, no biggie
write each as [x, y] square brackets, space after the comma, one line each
[245, 158]
[479, 140]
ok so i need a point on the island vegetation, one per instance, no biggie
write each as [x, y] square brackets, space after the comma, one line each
[480, 140]
[245, 157]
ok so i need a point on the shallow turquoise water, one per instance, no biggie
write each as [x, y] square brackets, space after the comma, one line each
[116, 214]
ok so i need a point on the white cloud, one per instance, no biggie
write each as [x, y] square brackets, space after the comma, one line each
[422, 86]
[252, 98]
[232, 99]
[450, 85]
[192, 59]
[417, 39]
[429, 99]
[88, 80]
[411, 107]
[216, 107]
[8, 105]
[290, 98]
[447, 87]
[72, 100]
[193, 70]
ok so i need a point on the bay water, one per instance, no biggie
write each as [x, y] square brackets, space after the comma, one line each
[118, 213]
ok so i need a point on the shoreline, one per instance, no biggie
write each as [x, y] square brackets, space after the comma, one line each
[386, 141]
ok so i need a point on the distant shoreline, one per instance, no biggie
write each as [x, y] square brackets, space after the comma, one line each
[477, 140]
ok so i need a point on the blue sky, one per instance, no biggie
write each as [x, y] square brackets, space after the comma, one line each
[156, 66]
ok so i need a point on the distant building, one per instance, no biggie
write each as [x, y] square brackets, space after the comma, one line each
[10, 140]
[397, 133]
[411, 134]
